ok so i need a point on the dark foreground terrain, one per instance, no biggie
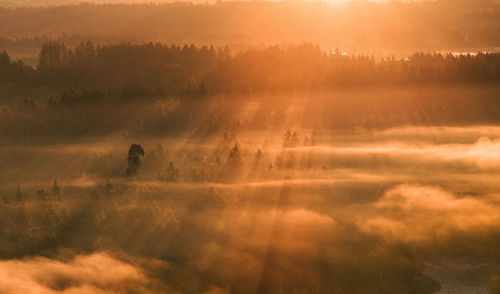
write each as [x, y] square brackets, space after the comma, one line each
[181, 169]
[339, 195]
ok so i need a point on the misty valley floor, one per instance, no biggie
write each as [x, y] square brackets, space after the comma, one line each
[398, 210]
[343, 147]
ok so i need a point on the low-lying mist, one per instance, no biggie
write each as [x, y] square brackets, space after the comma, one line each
[291, 208]
[250, 147]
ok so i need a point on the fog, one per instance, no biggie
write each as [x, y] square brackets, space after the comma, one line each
[389, 208]
[249, 147]
[379, 28]
[94, 273]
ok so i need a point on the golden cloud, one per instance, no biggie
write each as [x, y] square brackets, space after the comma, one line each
[420, 213]
[95, 273]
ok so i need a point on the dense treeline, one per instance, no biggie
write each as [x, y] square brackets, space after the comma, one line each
[13, 70]
[152, 89]
[198, 71]
[26, 48]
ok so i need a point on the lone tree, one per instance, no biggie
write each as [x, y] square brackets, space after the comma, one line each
[257, 157]
[134, 159]
[287, 139]
[56, 189]
[19, 195]
[234, 158]
[294, 140]
[171, 173]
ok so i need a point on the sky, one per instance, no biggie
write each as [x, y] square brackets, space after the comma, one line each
[63, 2]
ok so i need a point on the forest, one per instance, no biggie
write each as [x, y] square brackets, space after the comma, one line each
[93, 87]
[198, 71]
[250, 147]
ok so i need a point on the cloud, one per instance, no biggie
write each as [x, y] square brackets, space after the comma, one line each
[421, 213]
[484, 152]
[94, 273]
[248, 235]
[452, 132]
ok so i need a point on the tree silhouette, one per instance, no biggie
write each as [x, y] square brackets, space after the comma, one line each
[134, 160]
[287, 138]
[294, 141]
[257, 157]
[19, 195]
[278, 162]
[56, 190]
[171, 174]
[234, 159]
